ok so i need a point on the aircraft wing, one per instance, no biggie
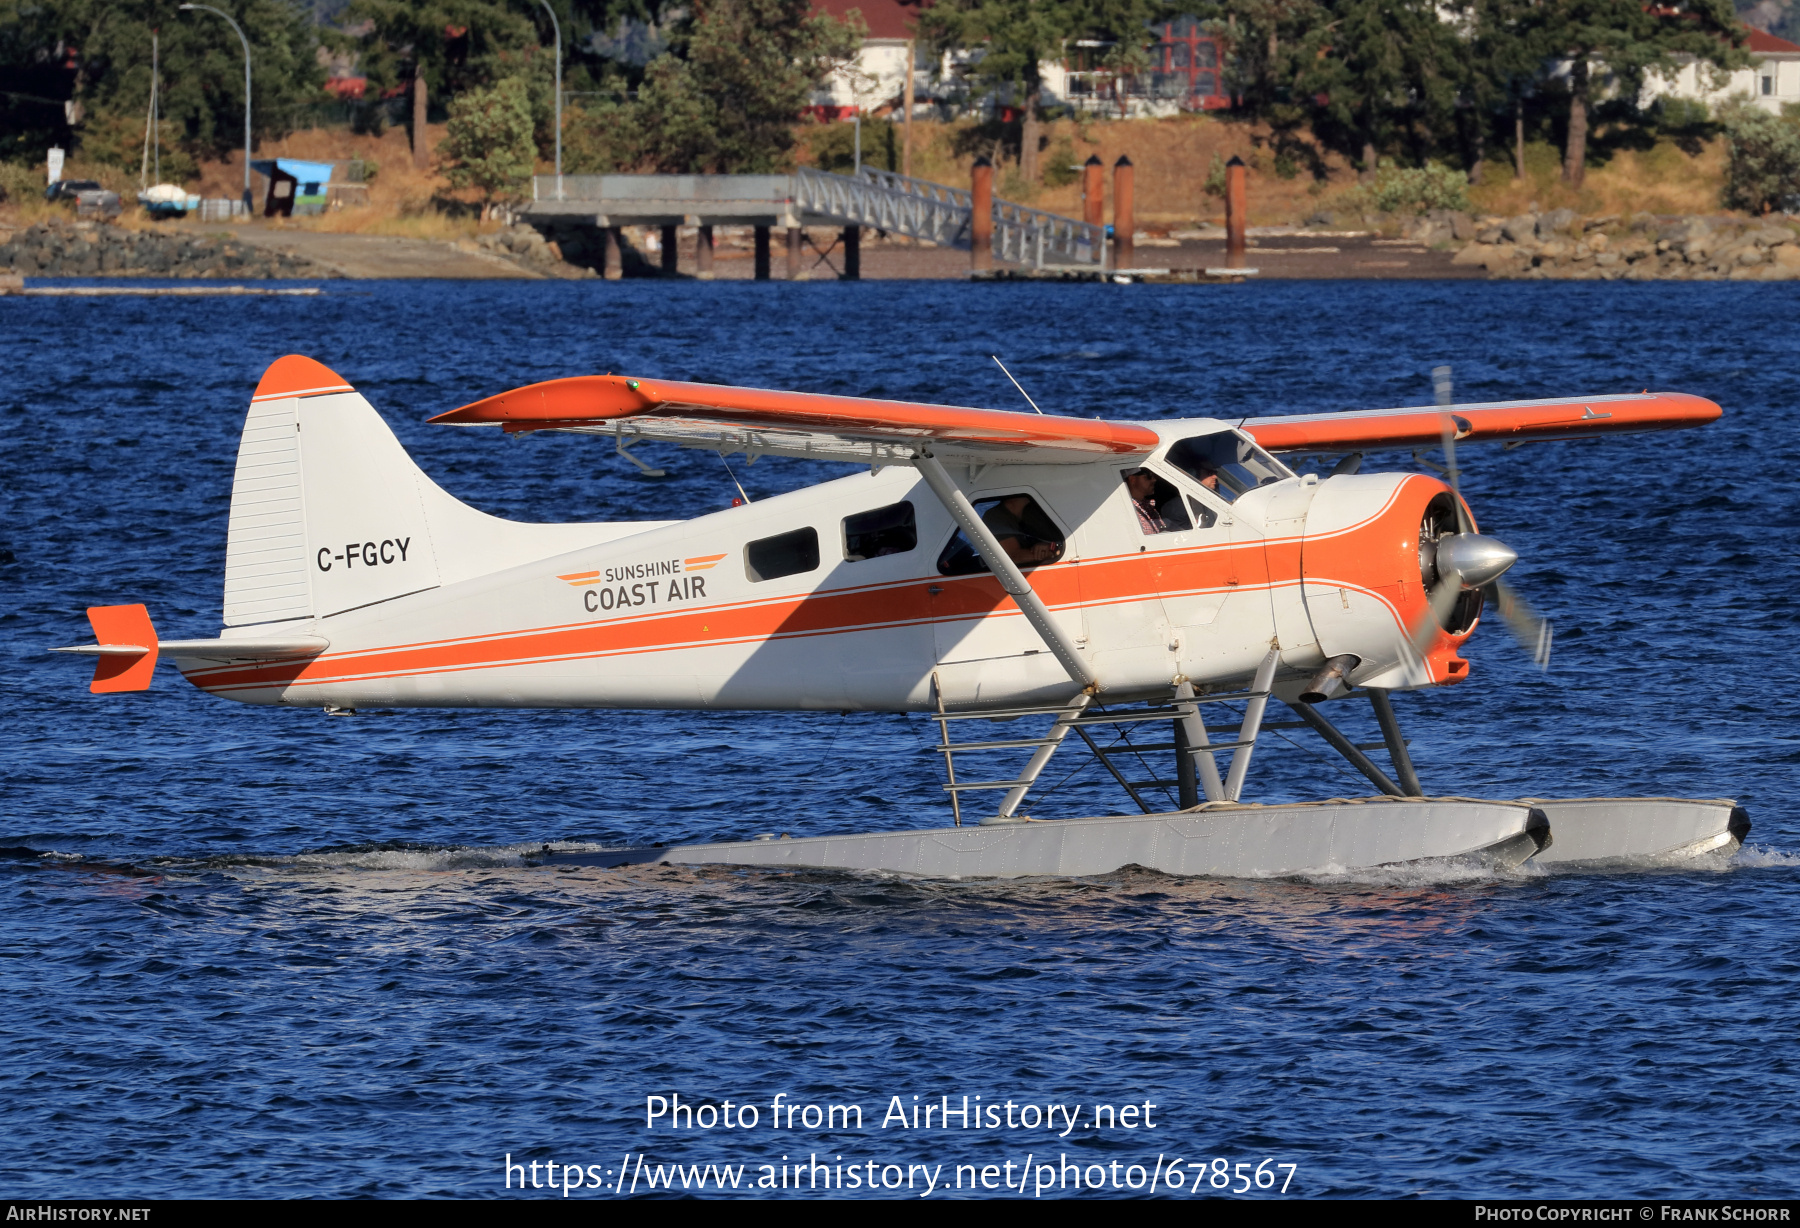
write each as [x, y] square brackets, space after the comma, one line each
[760, 421]
[1371, 430]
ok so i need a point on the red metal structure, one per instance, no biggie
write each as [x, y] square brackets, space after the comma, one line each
[1189, 64]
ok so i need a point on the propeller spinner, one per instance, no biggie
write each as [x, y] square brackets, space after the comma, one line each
[1462, 567]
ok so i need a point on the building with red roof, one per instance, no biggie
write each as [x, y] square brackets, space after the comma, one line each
[1186, 67]
[1772, 79]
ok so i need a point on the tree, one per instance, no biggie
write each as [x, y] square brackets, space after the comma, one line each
[725, 96]
[1016, 37]
[1382, 71]
[1505, 58]
[438, 46]
[1626, 40]
[1762, 171]
[489, 141]
[76, 67]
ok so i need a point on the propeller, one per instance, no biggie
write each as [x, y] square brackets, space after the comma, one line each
[1467, 560]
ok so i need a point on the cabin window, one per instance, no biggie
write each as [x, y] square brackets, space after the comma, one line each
[1159, 506]
[786, 554]
[886, 530]
[1226, 463]
[1025, 531]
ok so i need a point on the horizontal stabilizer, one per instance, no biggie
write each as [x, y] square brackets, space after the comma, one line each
[126, 649]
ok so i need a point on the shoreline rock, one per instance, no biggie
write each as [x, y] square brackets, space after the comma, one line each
[99, 249]
[1560, 245]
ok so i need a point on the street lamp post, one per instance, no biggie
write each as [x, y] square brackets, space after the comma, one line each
[234, 25]
[556, 26]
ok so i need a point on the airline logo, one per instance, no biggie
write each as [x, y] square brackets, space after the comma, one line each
[629, 585]
[642, 571]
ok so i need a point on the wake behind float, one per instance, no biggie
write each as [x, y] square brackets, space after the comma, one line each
[990, 565]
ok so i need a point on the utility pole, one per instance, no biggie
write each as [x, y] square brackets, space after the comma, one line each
[234, 25]
[556, 26]
[912, 62]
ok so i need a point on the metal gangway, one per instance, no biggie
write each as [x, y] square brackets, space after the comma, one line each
[898, 204]
[940, 214]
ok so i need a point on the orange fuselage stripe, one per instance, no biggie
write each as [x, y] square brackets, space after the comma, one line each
[1371, 556]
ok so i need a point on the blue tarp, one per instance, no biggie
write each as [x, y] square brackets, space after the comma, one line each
[310, 174]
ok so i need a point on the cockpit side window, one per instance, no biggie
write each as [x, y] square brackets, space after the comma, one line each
[1226, 463]
[1024, 530]
[1159, 506]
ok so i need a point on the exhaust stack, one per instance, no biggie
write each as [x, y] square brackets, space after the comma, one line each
[1334, 679]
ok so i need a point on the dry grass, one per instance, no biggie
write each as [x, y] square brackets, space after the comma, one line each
[403, 200]
[1662, 179]
[1170, 159]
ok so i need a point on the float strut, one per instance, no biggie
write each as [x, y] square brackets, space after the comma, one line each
[1345, 747]
[1195, 768]
[1252, 726]
[1396, 744]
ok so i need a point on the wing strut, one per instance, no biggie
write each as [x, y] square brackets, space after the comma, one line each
[1004, 569]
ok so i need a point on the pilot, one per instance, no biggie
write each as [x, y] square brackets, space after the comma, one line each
[1207, 475]
[1012, 521]
[1142, 485]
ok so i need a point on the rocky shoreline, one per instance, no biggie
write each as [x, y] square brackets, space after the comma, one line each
[1562, 245]
[98, 249]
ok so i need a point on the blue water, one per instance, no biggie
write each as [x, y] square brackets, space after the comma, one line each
[259, 952]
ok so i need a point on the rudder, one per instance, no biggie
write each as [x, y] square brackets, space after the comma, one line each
[327, 509]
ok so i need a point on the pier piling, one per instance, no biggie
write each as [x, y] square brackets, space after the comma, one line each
[853, 253]
[703, 253]
[612, 266]
[981, 216]
[794, 238]
[671, 262]
[1124, 221]
[762, 253]
[1234, 213]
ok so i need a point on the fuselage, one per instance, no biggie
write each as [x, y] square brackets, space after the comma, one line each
[723, 611]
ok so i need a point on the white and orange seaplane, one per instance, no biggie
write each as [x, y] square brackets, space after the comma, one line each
[980, 564]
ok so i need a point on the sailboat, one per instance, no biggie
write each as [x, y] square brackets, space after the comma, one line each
[165, 199]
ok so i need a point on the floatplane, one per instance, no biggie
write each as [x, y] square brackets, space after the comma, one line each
[979, 564]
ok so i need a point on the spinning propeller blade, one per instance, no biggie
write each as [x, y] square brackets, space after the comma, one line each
[1532, 630]
[1465, 556]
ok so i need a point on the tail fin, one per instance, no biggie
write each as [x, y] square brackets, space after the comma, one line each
[327, 509]
[329, 513]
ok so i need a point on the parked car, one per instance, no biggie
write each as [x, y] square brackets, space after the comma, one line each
[91, 200]
[67, 189]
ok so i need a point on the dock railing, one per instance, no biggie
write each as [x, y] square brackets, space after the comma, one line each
[939, 213]
[898, 204]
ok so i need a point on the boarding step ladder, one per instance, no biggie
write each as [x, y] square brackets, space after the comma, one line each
[1080, 716]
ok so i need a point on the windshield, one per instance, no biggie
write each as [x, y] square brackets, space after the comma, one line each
[1226, 462]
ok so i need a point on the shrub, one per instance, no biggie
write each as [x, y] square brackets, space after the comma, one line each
[1762, 167]
[488, 141]
[1059, 165]
[1417, 190]
[831, 146]
[20, 182]
[116, 139]
[1214, 183]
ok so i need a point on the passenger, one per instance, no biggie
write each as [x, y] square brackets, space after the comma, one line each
[1142, 485]
[1205, 474]
[1013, 520]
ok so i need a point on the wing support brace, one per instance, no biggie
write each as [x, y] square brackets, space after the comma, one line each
[1005, 570]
